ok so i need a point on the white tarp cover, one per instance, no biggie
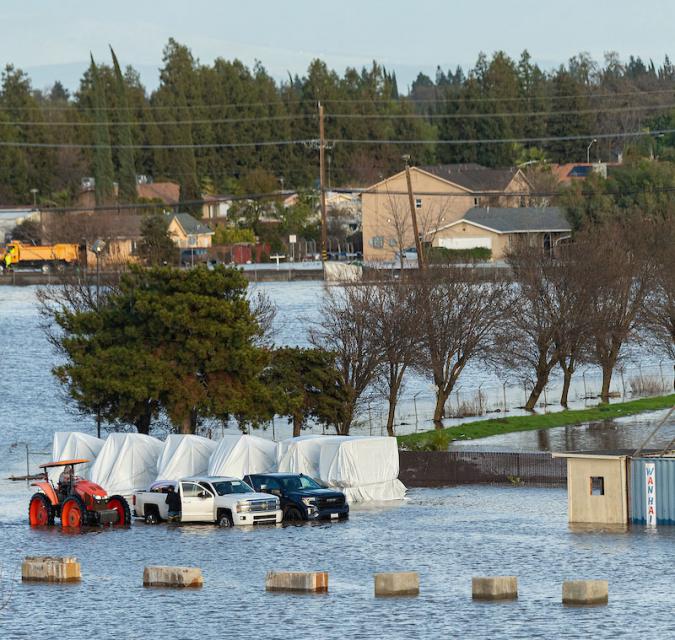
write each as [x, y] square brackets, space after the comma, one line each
[127, 463]
[184, 456]
[70, 445]
[238, 455]
[301, 454]
[365, 468]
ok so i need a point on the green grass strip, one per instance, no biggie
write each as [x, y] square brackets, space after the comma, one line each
[440, 439]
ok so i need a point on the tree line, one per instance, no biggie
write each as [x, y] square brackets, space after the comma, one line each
[228, 103]
[189, 346]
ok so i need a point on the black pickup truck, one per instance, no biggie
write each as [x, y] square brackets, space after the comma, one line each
[302, 498]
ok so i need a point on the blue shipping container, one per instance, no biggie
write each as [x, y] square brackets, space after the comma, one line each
[664, 488]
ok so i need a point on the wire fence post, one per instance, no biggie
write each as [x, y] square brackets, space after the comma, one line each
[504, 396]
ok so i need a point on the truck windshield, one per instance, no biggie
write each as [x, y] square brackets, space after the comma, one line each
[231, 486]
[295, 483]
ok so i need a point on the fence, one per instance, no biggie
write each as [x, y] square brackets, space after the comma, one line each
[473, 400]
[441, 468]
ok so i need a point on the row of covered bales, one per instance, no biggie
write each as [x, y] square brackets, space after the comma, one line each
[364, 468]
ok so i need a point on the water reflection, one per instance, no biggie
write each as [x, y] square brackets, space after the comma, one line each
[606, 435]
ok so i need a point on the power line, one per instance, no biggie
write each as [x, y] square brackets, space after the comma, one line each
[350, 116]
[71, 123]
[271, 195]
[403, 99]
[218, 145]
[599, 136]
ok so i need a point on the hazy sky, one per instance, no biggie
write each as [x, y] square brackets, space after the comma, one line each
[51, 39]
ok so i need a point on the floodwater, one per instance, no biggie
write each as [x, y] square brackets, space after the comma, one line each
[447, 535]
[629, 433]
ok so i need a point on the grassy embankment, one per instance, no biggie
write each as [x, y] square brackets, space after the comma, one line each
[441, 438]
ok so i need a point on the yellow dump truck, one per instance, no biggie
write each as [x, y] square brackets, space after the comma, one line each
[55, 256]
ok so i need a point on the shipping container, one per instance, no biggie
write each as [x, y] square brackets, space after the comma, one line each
[652, 490]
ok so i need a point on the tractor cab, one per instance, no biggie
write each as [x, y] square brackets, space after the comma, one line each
[76, 501]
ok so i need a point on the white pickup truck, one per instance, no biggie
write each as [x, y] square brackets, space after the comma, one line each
[226, 501]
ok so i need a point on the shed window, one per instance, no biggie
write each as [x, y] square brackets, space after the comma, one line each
[418, 203]
[476, 202]
[377, 242]
[597, 486]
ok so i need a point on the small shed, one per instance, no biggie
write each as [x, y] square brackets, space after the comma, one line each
[597, 487]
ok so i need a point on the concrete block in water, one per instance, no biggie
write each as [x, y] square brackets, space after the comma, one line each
[172, 577]
[585, 592]
[406, 583]
[494, 588]
[311, 581]
[50, 569]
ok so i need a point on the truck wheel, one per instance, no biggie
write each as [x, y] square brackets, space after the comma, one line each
[73, 513]
[40, 511]
[151, 518]
[225, 520]
[293, 515]
[119, 504]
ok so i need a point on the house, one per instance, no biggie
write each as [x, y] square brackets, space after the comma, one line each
[442, 195]
[216, 206]
[500, 228]
[574, 171]
[188, 233]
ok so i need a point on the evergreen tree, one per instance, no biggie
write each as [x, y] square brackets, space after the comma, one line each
[127, 164]
[103, 164]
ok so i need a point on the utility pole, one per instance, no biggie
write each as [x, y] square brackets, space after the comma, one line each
[413, 215]
[322, 186]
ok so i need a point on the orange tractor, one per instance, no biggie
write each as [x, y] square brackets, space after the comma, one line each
[76, 501]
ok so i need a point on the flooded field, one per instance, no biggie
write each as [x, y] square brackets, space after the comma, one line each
[609, 435]
[448, 535]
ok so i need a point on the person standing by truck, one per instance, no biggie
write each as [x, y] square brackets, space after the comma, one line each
[175, 506]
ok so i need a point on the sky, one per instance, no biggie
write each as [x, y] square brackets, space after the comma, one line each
[51, 39]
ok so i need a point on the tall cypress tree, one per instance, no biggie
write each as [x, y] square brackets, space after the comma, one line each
[103, 164]
[127, 163]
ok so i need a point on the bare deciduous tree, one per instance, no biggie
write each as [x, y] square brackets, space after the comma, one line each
[528, 342]
[622, 280]
[459, 314]
[396, 337]
[346, 332]
[660, 306]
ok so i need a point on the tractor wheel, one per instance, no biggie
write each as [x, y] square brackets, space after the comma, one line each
[73, 513]
[120, 505]
[40, 511]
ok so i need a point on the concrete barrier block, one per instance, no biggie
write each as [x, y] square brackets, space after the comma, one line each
[172, 577]
[585, 592]
[311, 581]
[406, 583]
[50, 569]
[494, 588]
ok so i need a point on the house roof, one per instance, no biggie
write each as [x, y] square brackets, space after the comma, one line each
[516, 219]
[167, 192]
[191, 226]
[472, 176]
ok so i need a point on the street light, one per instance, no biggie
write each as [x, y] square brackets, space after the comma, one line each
[588, 150]
[34, 192]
